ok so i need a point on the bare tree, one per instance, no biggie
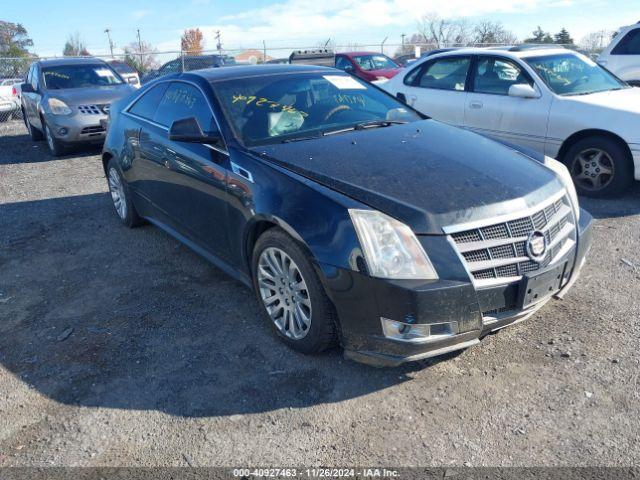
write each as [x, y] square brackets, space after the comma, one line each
[75, 46]
[141, 56]
[595, 42]
[488, 32]
[444, 31]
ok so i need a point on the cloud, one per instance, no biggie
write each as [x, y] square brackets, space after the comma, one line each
[296, 23]
[140, 14]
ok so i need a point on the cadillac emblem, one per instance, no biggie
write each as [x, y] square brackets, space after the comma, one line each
[536, 246]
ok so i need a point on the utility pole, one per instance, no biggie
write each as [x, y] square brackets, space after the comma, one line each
[402, 47]
[108, 32]
[140, 49]
[219, 42]
[264, 51]
[382, 45]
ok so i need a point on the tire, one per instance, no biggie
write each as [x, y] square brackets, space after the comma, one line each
[55, 146]
[34, 133]
[321, 331]
[121, 196]
[589, 158]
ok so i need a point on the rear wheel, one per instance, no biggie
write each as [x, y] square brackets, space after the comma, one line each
[121, 197]
[600, 167]
[291, 294]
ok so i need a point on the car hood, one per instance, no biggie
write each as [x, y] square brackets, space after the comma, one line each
[92, 95]
[427, 174]
[626, 100]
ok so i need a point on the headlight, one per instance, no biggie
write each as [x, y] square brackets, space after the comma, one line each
[58, 107]
[562, 171]
[391, 249]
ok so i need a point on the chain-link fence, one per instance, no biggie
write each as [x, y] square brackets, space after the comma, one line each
[141, 67]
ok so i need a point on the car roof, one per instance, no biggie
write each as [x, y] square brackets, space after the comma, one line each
[353, 54]
[244, 71]
[518, 51]
[59, 62]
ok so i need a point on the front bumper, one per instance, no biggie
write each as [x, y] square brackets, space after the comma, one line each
[362, 301]
[78, 128]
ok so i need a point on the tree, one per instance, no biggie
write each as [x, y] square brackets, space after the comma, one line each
[14, 40]
[595, 42]
[140, 56]
[443, 31]
[488, 32]
[563, 37]
[539, 36]
[75, 46]
[192, 41]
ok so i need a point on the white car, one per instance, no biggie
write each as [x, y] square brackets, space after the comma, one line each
[551, 100]
[622, 56]
[9, 101]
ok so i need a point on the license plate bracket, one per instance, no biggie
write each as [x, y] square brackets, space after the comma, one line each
[539, 286]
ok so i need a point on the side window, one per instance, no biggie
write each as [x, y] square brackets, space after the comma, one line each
[182, 100]
[629, 45]
[171, 67]
[34, 78]
[343, 63]
[496, 75]
[449, 73]
[147, 105]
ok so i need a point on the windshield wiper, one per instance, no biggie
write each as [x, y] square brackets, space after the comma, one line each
[365, 125]
[299, 139]
[378, 123]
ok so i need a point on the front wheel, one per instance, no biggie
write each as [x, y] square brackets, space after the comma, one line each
[291, 294]
[55, 146]
[600, 167]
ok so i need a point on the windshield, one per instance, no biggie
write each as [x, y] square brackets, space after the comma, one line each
[9, 81]
[574, 74]
[374, 62]
[277, 108]
[79, 76]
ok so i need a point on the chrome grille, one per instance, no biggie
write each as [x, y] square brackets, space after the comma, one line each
[496, 252]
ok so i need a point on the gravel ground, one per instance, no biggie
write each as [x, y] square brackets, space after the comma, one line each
[122, 347]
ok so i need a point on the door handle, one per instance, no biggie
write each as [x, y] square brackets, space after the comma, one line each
[476, 105]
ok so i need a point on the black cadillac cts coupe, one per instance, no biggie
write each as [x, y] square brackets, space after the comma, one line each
[352, 217]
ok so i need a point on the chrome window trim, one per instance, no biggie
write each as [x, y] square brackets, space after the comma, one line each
[527, 212]
[224, 150]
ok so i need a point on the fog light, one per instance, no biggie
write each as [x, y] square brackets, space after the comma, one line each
[62, 131]
[419, 332]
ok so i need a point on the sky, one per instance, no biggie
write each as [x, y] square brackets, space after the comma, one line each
[287, 24]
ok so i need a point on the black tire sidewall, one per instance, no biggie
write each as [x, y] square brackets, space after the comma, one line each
[322, 331]
[623, 165]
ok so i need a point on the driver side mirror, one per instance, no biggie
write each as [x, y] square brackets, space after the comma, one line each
[349, 68]
[189, 130]
[523, 90]
[27, 88]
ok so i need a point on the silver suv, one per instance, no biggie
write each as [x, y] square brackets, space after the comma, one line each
[67, 100]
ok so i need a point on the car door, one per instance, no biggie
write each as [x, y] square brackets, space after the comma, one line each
[192, 189]
[32, 99]
[437, 88]
[491, 111]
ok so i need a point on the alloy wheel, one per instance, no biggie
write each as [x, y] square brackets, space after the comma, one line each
[117, 193]
[593, 169]
[284, 293]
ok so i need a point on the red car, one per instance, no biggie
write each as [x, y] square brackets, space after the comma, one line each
[369, 66]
